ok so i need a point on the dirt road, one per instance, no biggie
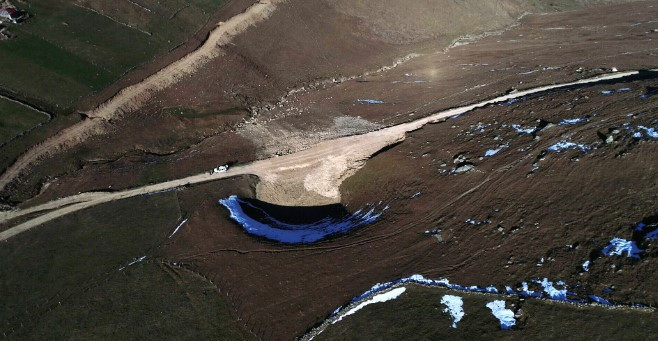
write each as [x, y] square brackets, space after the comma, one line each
[133, 97]
[309, 177]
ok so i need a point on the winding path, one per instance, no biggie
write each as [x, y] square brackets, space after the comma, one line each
[308, 177]
[134, 97]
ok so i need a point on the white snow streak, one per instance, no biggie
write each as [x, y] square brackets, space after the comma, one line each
[178, 227]
[387, 296]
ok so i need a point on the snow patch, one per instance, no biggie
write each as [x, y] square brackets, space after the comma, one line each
[521, 130]
[563, 145]
[570, 121]
[379, 298]
[455, 307]
[133, 262]
[370, 101]
[619, 247]
[528, 72]
[491, 289]
[649, 132]
[610, 92]
[476, 222]
[525, 291]
[177, 228]
[505, 316]
[553, 292]
[140, 259]
[492, 152]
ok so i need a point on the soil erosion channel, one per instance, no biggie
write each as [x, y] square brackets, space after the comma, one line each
[310, 177]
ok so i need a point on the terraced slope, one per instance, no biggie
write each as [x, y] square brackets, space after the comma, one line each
[71, 48]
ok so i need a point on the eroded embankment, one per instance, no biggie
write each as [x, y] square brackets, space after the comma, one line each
[133, 97]
[307, 178]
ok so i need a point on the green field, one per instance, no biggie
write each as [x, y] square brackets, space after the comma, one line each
[63, 280]
[148, 301]
[16, 119]
[418, 314]
[69, 49]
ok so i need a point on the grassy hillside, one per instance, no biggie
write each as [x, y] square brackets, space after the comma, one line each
[70, 48]
[148, 301]
[73, 279]
[15, 119]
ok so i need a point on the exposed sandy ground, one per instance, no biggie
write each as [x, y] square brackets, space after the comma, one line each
[136, 95]
[308, 178]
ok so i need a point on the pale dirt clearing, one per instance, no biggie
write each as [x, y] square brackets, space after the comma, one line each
[307, 178]
[133, 97]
